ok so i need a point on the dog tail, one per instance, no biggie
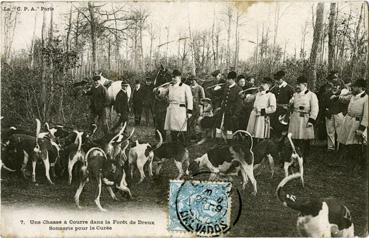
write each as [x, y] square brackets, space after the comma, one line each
[2, 165]
[289, 136]
[287, 200]
[92, 149]
[78, 139]
[119, 133]
[299, 158]
[160, 141]
[129, 137]
[247, 133]
[38, 129]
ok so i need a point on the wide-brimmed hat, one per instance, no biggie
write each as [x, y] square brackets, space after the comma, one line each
[232, 75]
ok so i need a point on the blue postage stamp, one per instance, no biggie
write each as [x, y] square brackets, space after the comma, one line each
[199, 207]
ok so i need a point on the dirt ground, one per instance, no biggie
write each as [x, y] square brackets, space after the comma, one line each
[261, 215]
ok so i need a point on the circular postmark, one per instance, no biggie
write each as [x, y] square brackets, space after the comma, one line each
[204, 207]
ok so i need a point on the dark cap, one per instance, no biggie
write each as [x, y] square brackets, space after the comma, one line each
[359, 83]
[241, 76]
[280, 74]
[301, 79]
[137, 81]
[96, 77]
[232, 75]
[124, 83]
[267, 80]
[205, 100]
[215, 73]
[176, 73]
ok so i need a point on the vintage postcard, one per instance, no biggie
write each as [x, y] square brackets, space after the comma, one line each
[184, 118]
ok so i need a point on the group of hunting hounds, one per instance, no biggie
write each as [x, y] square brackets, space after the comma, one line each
[109, 159]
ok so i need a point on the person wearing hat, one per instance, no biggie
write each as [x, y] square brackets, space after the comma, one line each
[213, 89]
[98, 94]
[206, 119]
[137, 102]
[148, 100]
[179, 109]
[264, 105]
[198, 93]
[230, 107]
[355, 122]
[241, 81]
[283, 93]
[305, 108]
[121, 106]
[333, 111]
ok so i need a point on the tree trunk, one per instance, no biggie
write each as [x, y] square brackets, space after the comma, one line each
[229, 14]
[192, 47]
[367, 48]
[356, 39]
[93, 35]
[318, 28]
[237, 41]
[331, 37]
[51, 69]
[43, 69]
[33, 43]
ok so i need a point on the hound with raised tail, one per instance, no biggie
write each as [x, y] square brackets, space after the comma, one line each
[76, 154]
[275, 152]
[102, 170]
[229, 160]
[32, 147]
[318, 217]
[140, 154]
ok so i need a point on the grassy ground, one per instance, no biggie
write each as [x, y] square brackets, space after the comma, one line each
[261, 215]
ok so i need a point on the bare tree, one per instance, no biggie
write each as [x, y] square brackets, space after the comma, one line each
[332, 36]
[355, 48]
[318, 28]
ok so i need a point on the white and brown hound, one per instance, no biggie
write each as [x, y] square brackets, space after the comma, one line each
[270, 150]
[102, 170]
[32, 147]
[140, 154]
[229, 160]
[318, 217]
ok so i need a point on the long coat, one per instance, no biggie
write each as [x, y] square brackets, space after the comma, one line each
[121, 104]
[180, 103]
[259, 121]
[98, 98]
[230, 108]
[137, 99]
[305, 108]
[356, 117]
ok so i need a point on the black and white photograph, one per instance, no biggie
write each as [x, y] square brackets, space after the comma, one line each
[184, 118]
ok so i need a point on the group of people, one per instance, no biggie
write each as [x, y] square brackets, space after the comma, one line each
[273, 107]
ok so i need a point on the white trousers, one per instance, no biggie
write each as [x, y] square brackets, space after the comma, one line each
[333, 125]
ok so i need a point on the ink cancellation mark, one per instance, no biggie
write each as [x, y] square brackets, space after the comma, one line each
[203, 208]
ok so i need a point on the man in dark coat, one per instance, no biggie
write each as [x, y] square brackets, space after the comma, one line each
[98, 99]
[148, 100]
[283, 93]
[121, 106]
[137, 102]
[230, 106]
